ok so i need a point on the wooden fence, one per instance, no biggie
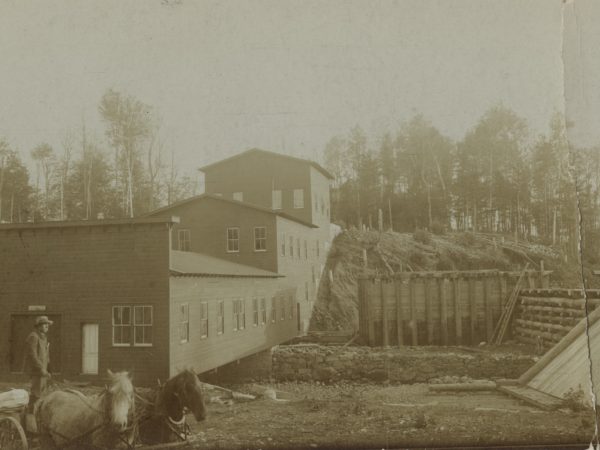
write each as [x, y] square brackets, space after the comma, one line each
[436, 308]
[544, 316]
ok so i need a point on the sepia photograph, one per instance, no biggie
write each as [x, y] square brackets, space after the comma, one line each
[299, 224]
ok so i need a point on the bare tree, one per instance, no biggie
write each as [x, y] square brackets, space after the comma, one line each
[67, 145]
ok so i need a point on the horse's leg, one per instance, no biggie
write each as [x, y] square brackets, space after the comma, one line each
[44, 438]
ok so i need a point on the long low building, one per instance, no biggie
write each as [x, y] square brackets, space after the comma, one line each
[122, 299]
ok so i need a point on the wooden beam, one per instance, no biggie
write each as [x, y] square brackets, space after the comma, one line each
[487, 304]
[428, 310]
[472, 310]
[443, 311]
[413, 312]
[457, 311]
[399, 324]
[371, 315]
[384, 314]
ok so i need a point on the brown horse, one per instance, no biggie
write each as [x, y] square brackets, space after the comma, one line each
[161, 411]
[70, 419]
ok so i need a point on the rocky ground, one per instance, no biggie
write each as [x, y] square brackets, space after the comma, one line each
[312, 415]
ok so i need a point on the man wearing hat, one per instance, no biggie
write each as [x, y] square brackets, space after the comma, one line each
[37, 357]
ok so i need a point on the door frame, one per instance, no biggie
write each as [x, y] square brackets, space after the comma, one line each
[81, 372]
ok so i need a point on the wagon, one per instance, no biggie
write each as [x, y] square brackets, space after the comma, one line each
[12, 420]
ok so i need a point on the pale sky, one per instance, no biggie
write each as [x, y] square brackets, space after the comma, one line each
[286, 75]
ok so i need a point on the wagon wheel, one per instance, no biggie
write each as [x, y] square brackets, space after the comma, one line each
[12, 436]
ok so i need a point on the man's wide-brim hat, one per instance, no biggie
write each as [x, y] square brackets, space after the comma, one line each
[41, 320]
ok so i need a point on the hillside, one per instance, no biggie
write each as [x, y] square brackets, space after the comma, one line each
[336, 307]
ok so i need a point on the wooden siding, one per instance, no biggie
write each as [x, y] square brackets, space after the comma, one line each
[204, 354]
[79, 273]
[256, 174]
[208, 220]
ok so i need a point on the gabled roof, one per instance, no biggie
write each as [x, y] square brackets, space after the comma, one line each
[273, 154]
[233, 202]
[200, 265]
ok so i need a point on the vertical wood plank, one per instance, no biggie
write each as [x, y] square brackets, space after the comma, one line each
[487, 304]
[472, 309]
[428, 310]
[399, 325]
[413, 312]
[503, 290]
[371, 314]
[443, 310]
[384, 314]
[457, 311]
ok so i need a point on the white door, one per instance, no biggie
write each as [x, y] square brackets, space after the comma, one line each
[89, 348]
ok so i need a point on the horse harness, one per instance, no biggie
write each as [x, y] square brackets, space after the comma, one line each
[179, 428]
[80, 437]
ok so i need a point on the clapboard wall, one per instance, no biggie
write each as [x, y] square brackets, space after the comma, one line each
[436, 308]
[544, 316]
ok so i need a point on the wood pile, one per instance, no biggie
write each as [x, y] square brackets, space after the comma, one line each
[544, 316]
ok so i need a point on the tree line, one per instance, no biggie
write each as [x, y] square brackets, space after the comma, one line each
[127, 174]
[497, 179]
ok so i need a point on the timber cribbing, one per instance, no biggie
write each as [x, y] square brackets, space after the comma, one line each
[544, 316]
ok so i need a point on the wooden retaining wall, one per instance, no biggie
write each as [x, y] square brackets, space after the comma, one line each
[436, 308]
[544, 316]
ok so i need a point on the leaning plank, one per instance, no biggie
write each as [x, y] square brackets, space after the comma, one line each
[532, 396]
[560, 347]
[477, 386]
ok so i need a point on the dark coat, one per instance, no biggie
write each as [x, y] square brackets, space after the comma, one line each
[37, 354]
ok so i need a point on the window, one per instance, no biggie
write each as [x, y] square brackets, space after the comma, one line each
[184, 322]
[291, 300]
[239, 314]
[282, 305]
[299, 253]
[238, 196]
[313, 274]
[316, 205]
[142, 326]
[273, 310]
[282, 244]
[121, 325]
[220, 316]
[298, 198]
[183, 238]
[322, 206]
[305, 249]
[291, 247]
[318, 249]
[233, 240]
[254, 312]
[276, 199]
[203, 320]
[306, 290]
[263, 311]
[260, 239]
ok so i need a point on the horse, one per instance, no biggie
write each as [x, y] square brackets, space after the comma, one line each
[161, 411]
[68, 418]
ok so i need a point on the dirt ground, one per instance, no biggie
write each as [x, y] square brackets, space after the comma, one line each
[370, 416]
